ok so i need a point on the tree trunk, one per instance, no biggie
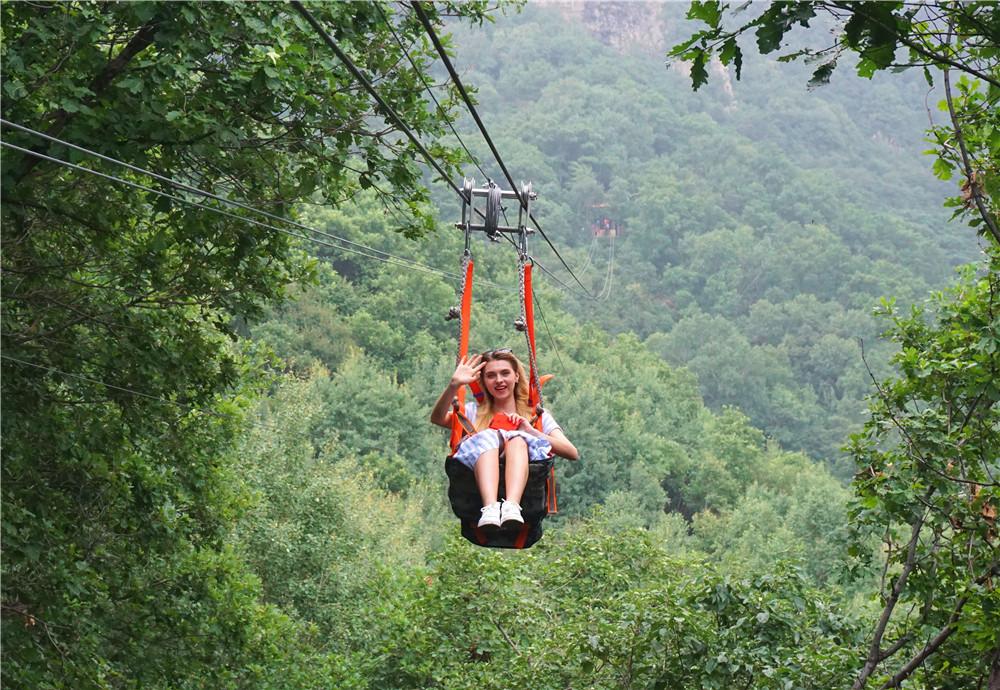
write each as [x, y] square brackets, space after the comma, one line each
[142, 39]
[994, 682]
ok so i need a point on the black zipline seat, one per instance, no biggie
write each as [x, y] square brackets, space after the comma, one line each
[467, 506]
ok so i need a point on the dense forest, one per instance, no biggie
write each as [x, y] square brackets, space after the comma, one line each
[218, 470]
[763, 222]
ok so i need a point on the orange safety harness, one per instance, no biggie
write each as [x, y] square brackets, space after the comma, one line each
[461, 426]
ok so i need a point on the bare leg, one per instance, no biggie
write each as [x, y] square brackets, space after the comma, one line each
[516, 475]
[487, 474]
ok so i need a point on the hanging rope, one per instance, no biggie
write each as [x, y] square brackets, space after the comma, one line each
[528, 318]
[581, 271]
[605, 293]
[458, 420]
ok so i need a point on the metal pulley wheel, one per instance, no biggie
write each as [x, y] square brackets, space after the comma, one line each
[494, 198]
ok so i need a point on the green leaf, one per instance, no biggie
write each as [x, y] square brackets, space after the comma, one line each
[943, 169]
[822, 74]
[769, 35]
[699, 73]
[866, 68]
[708, 11]
[680, 49]
[731, 53]
[133, 84]
[791, 57]
[854, 29]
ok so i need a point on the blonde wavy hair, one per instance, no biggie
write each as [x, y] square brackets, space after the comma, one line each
[484, 415]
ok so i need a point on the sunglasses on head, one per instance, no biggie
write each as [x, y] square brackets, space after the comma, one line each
[489, 354]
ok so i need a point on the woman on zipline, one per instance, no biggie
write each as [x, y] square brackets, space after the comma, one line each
[502, 425]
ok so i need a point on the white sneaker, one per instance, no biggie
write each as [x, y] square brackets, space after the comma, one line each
[510, 512]
[491, 515]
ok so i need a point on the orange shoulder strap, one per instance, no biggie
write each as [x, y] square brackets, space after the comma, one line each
[534, 388]
[458, 429]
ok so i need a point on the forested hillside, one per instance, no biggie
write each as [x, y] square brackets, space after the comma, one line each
[218, 470]
[763, 221]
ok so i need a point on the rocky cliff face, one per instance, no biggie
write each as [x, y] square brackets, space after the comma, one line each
[640, 27]
[626, 26]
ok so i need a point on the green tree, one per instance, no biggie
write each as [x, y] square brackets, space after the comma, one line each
[938, 36]
[124, 380]
[321, 529]
[927, 458]
[606, 608]
[730, 196]
[927, 484]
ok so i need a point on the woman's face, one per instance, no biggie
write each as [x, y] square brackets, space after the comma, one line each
[499, 378]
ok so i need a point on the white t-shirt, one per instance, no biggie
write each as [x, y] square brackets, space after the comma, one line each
[548, 422]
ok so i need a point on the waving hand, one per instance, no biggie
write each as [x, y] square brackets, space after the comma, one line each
[467, 370]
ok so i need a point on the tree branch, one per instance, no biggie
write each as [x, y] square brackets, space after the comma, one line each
[875, 654]
[140, 41]
[896, 646]
[856, 8]
[970, 174]
[506, 636]
[939, 639]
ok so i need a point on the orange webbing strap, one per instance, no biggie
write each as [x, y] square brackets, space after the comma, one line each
[522, 536]
[552, 505]
[534, 395]
[478, 533]
[534, 392]
[458, 411]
